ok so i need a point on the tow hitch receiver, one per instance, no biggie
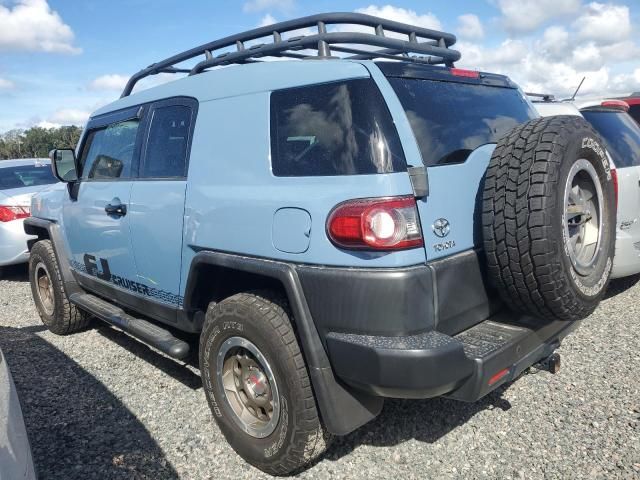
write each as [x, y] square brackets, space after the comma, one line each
[551, 364]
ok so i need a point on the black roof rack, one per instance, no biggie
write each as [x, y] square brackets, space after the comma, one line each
[544, 97]
[430, 46]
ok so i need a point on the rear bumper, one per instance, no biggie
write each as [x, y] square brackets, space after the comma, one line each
[466, 366]
[13, 243]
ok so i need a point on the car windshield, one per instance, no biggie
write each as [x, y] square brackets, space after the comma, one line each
[25, 176]
[450, 120]
[621, 135]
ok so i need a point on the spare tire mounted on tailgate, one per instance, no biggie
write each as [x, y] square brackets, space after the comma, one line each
[549, 218]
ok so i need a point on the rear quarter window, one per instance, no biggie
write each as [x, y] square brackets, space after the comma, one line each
[634, 111]
[450, 119]
[341, 128]
[621, 135]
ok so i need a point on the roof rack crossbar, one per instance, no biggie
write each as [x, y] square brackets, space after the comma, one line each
[545, 97]
[431, 45]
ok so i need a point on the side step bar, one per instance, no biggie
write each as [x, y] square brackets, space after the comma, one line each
[143, 330]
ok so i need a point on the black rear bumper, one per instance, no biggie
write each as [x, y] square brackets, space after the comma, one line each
[466, 366]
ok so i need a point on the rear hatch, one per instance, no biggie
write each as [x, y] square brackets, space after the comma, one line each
[457, 116]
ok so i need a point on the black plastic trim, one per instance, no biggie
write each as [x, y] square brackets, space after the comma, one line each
[370, 301]
[433, 364]
[343, 409]
[33, 226]
[417, 366]
[443, 74]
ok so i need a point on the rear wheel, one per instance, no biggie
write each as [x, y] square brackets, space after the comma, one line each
[549, 218]
[56, 312]
[257, 384]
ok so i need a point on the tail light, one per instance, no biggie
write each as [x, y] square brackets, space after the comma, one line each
[8, 214]
[376, 223]
[460, 72]
[617, 104]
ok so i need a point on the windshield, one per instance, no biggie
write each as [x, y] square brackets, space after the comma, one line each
[25, 176]
[621, 135]
[450, 119]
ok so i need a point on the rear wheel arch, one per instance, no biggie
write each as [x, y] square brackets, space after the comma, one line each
[342, 409]
[208, 283]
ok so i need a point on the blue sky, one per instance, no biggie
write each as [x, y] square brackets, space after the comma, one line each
[61, 59]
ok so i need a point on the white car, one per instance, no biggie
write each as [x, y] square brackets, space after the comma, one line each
[621, 134]
[16, 461]
[19, 181]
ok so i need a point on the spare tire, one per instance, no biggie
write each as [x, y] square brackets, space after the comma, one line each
[548, 218]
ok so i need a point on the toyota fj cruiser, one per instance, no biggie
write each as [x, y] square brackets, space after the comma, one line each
[372, 223]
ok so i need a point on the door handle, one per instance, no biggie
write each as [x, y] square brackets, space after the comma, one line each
[116, 210]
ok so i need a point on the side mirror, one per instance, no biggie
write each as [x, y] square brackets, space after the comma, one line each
[63, 164]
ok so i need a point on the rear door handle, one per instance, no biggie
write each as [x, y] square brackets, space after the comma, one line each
[116, 210]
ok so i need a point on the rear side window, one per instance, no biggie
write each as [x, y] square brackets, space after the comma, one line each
[166, 153]
[621, 135]
[339, 128]
[25, 176]
[634, 111]
[450, 120]
[108, 152]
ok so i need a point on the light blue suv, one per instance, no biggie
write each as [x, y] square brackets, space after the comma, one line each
[335, 229]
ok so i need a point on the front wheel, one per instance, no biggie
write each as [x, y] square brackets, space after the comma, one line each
[257, 384]
[58, 314]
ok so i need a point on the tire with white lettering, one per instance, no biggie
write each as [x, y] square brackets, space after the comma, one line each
[548, 218]
[257, 385]
[56, 312]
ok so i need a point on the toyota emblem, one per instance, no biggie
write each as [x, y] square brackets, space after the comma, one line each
[441, 227]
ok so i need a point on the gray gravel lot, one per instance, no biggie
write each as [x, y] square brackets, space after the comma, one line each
[100, 405]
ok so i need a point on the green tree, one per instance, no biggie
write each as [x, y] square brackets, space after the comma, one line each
[37, 141]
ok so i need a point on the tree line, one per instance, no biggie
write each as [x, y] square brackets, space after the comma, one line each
[37, 142]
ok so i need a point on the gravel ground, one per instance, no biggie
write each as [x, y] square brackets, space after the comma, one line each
[100, 405]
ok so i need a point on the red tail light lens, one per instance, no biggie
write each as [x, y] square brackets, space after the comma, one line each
[617, 104]
[7, 214]
[459, 72]
[376, 223]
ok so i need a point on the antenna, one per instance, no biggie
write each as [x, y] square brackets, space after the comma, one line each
[576, 92]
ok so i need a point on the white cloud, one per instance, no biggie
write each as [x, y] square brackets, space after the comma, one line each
[527, 15]
[426, 20]
[253, 6]
[268, 19]
[604, 23]
[46, 124]
[108, 82]
[69, 116]
[506, 55]
[627, 82]
[6, 84]
[587, 57]
[555, 42]
[31, 25]
[469, 26]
